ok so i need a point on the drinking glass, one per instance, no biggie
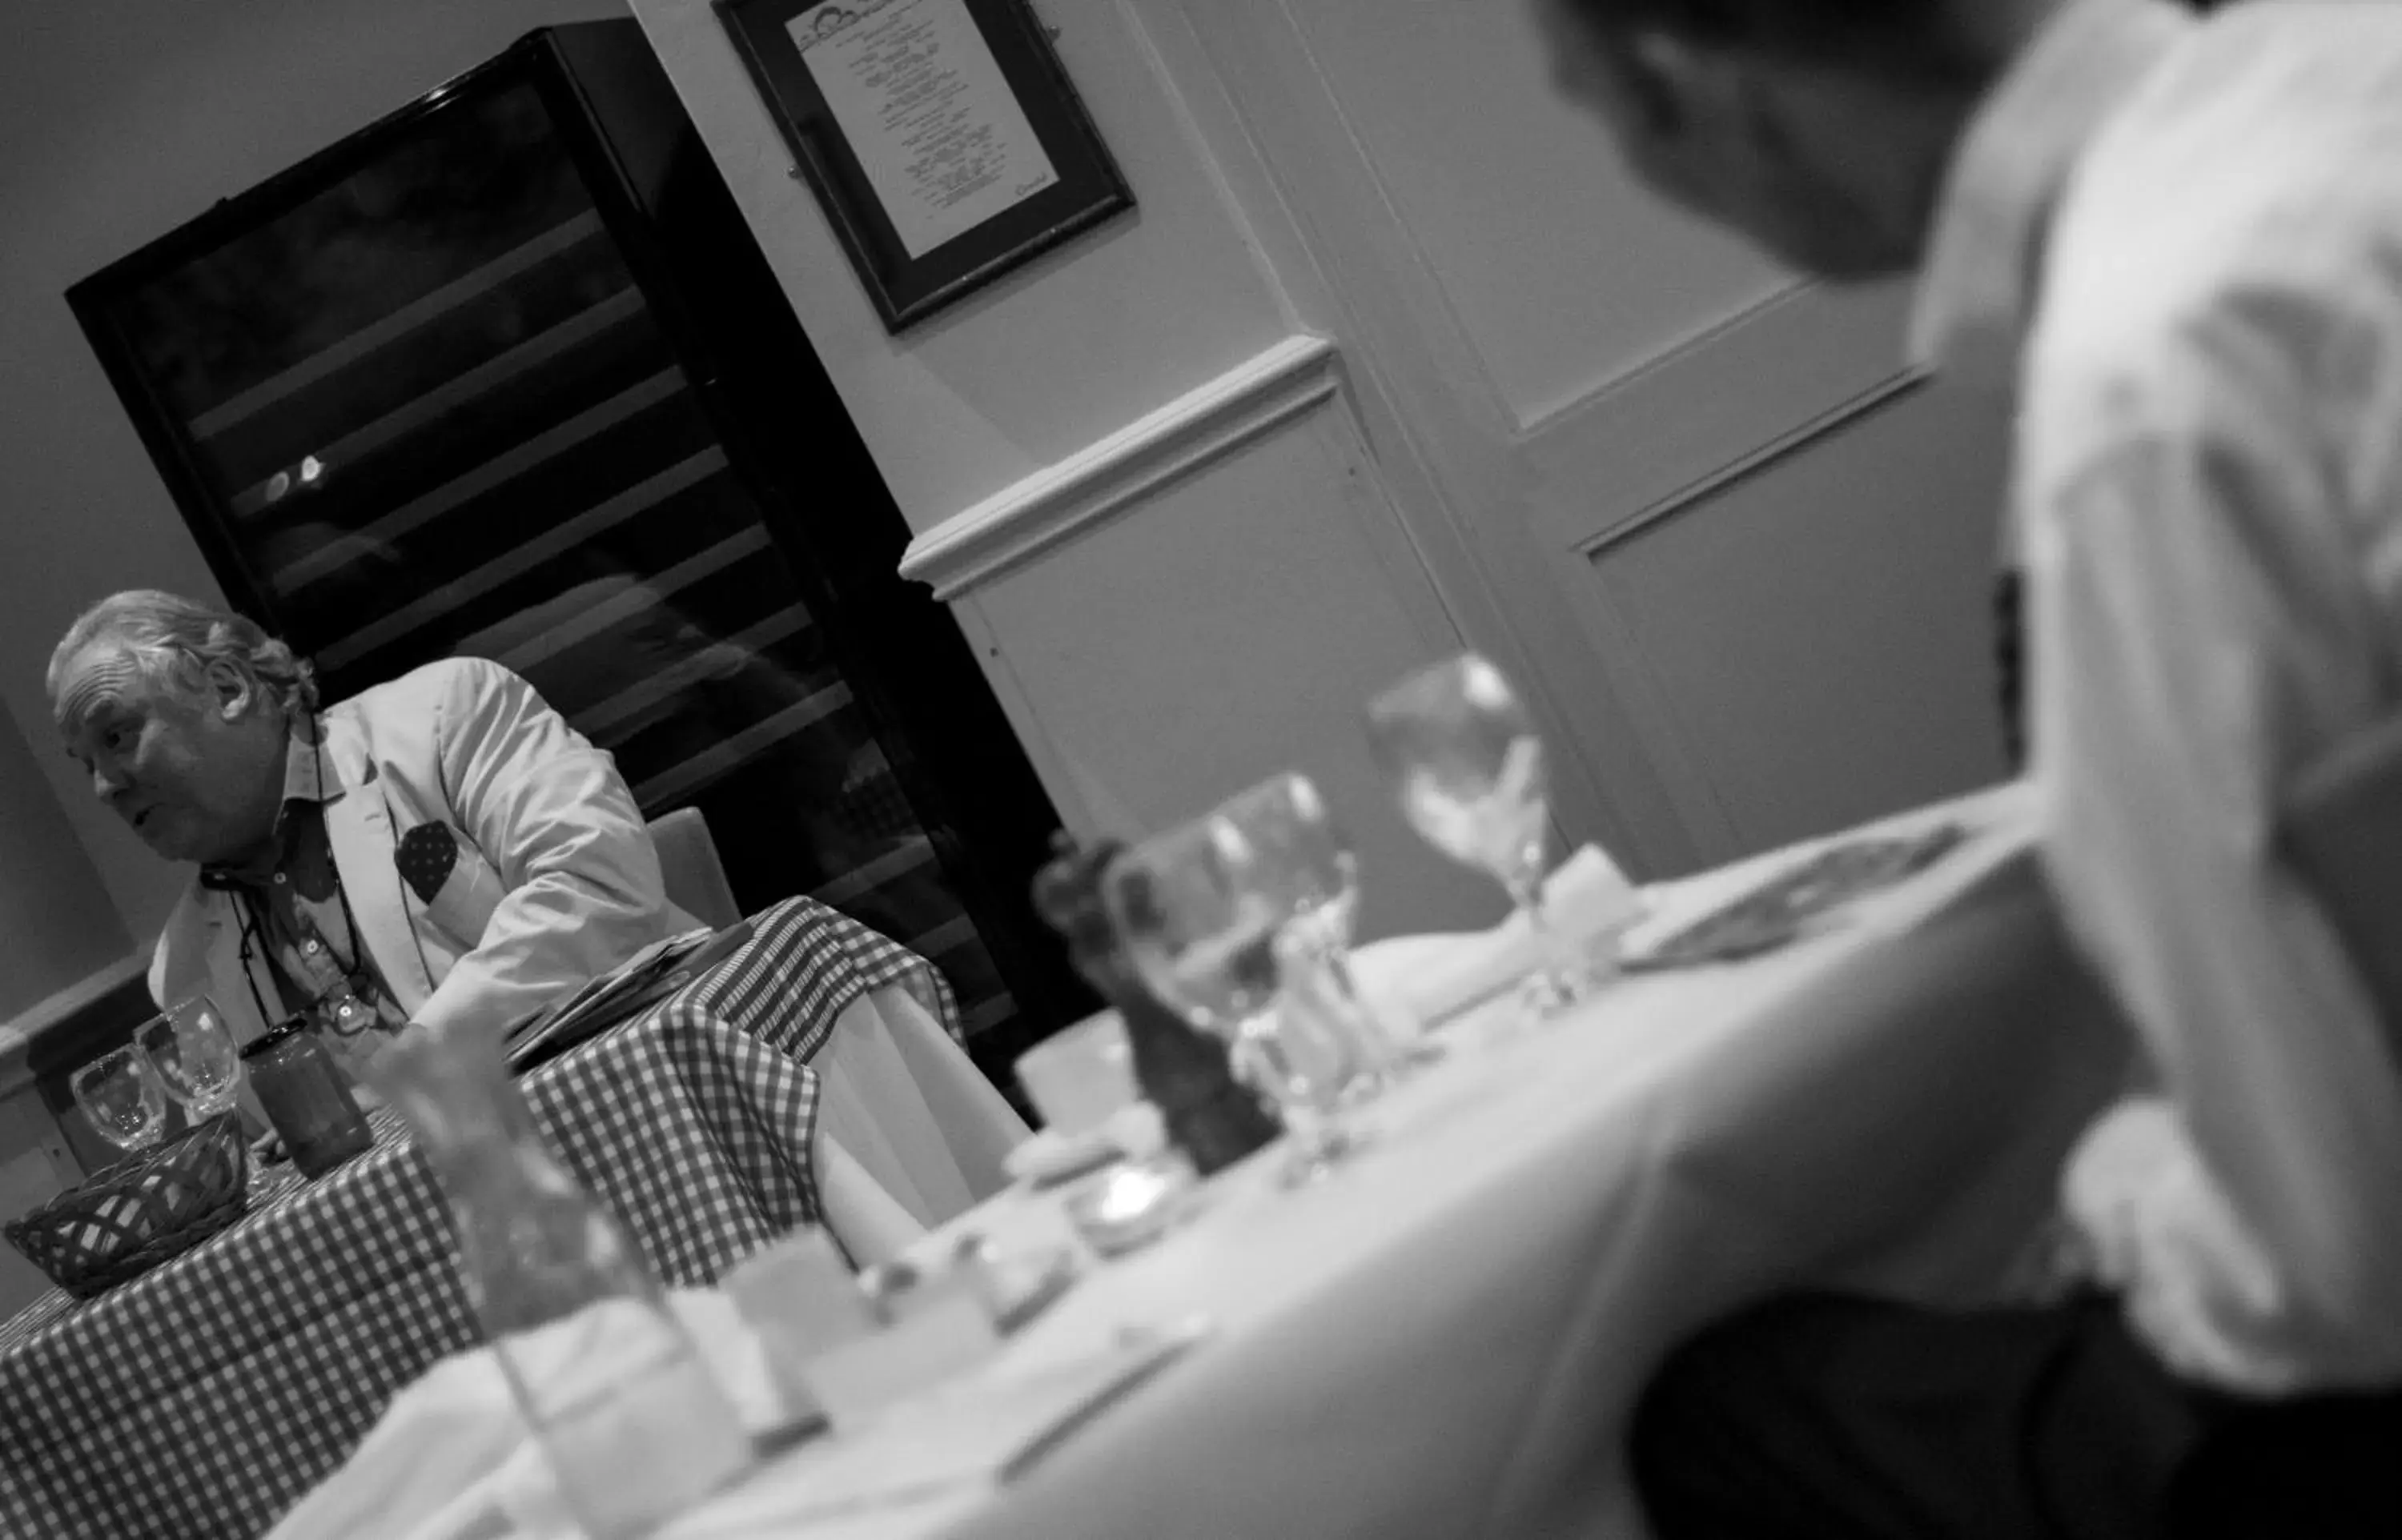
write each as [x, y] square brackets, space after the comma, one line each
[1203, 933]
[1295, 840]
[194, 1052]
[120, 1095]
[1305, 863]
[1468, 764]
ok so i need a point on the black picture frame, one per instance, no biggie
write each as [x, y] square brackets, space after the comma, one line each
[906, 290]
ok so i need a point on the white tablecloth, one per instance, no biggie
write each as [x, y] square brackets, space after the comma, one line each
[1445, 1339]
[905, 1101]
[909, 1135]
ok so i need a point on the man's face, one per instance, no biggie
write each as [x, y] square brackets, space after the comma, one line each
[1800, 159]
[199, 780]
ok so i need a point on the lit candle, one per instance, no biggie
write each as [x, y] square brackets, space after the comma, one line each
[1130, 1206]
[1130, 1193]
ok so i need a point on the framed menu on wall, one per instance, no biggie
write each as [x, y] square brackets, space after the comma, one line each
[943, 138]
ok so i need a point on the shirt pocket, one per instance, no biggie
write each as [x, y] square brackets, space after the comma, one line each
[450, 875]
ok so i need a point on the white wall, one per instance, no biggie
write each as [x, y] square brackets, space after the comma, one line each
[1036, 368]
[56, 923]
[1156, 510]
[1678, 495]
[1565, 276]
[1692, 492]
[118, 122]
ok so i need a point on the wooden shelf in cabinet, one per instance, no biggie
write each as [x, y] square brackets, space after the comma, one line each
[553, 543]
[685, 780]
[239, 407]
[629, 710]
[394, 427]
[518, 461]
[907, 857]
[534, 637]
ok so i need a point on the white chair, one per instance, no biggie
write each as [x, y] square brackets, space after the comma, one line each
[688, 864]
[899, 1095]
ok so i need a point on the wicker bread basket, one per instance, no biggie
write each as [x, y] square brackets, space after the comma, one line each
[131, 1216]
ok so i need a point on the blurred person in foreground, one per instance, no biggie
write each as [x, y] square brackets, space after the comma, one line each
[2180, 242]
[438, 854]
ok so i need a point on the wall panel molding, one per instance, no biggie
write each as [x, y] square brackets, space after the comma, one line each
[1020, 522]
[1664, 436]
[1756, 462]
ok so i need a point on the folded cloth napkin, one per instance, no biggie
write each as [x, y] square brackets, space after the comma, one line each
[451, 1459]
[1587, 901]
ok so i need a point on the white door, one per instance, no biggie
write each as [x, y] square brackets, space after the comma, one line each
[1739, 555]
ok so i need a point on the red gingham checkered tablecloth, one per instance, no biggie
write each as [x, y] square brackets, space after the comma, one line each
[205, 1398]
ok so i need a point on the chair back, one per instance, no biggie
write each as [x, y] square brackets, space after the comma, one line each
[2339, 827]
[695, 877]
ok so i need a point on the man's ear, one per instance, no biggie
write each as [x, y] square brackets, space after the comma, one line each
[235, 691]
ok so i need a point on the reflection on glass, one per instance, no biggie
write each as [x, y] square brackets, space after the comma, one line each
[1207, 936]
[195, 1056]
[1467, 762]
[120, 1095]
[1304, 864]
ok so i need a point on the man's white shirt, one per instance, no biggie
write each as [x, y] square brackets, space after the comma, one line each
[2185, 238]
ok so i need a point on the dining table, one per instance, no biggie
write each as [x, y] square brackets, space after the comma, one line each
[202, 1399]
[1447, 1334]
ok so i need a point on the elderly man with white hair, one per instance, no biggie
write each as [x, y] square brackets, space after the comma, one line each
[441, 853]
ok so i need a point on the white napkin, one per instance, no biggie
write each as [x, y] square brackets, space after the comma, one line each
[1587, 901]
[452, 1460]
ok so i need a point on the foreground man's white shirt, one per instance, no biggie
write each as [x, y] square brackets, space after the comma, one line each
[2196, 231]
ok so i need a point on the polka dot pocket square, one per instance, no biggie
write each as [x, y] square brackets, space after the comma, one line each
[451, 878]
[426, 854]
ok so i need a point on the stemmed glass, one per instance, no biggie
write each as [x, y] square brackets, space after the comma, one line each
[1465, 758]
[1306, 867]
[120, 1095]
[195, 1056]
[1203, 933]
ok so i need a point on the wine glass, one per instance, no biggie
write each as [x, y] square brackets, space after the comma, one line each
[194, 1052]
[1203, 935]
[1305, 865]
[120, 1095]
[1465, 758]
